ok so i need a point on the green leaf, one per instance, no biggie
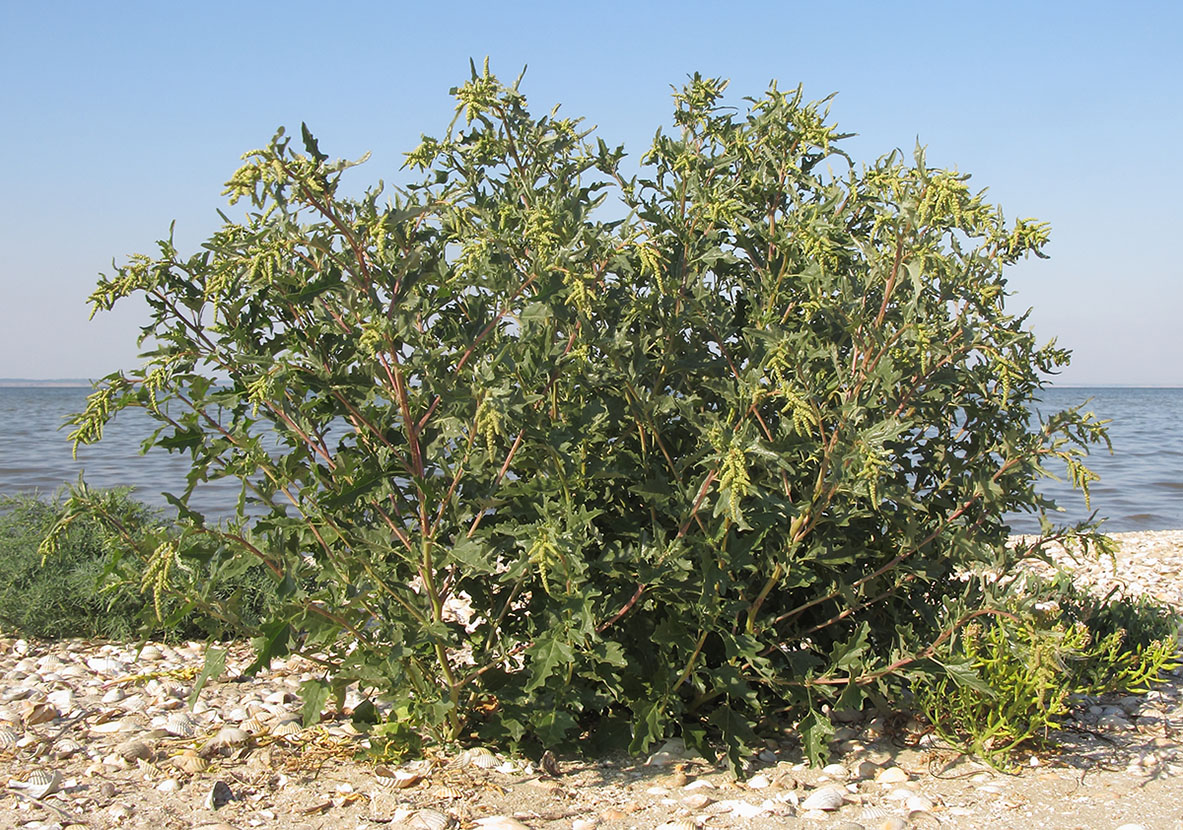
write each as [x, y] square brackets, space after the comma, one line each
[273, 643]
[314, 693]
[547, 653]
[816, 731]
[214, 665]
[737, 735]
[963, 674]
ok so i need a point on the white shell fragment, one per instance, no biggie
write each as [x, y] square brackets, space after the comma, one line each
[8, 739]
[132, 749]
[428, 819]
[826, 798]
[180, 724]
[40, 783]
[396, 779]
[500, 823]
[228, 737]
[679, 824]
[480, 757]
[189, 761]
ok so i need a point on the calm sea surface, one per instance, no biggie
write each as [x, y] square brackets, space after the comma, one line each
[1141, 486]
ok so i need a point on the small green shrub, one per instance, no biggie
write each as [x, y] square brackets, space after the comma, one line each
[69, 595]
[88, 587]
[1008, 679]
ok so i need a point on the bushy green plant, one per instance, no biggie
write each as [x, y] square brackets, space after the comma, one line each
[88, 588]
[1009, 679]
[534, 470]
[65, 597]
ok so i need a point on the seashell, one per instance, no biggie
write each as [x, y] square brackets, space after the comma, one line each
[870, 814]
[919, 803]
[826, 798]
[759, 782]
[288, 728]
[482, 758]
[428, 819]
[105, 665]
[133, 749]
[900, 794]
[151, 653]
[228, 737]
[48, 663]
[236, 715]
[219, 796]
[39, 712]
[696, 801]
[679, 824]
[891, 775]
[180, 724]
[63, 699]
[550, 764]
[8, 739]
[113, 695]
[42, 782]
[500, 823]
[448, 793]
[396, 779]
[165, 689]
[254, 724]
[189, 761]
[65, 748]
[894, 823]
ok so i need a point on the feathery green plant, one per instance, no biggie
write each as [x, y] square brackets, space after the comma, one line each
[542, 470]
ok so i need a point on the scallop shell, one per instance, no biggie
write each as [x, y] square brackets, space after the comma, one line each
[255, 725]
[827, 798]
[43, 782]
[8, 740]
[288, 728]
[447, 792]
[134, 749]
[480, 757]
[396, 779]
[428, 819]
[65, 748]
[189, 761]
[180, 724]
[679, 824]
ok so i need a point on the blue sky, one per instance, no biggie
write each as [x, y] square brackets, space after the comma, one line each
[117, 118]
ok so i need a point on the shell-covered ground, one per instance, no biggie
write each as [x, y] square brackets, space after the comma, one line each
[100, 735]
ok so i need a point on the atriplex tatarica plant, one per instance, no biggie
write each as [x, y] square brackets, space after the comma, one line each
[533, 472]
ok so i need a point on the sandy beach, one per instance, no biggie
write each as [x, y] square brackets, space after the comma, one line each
[94, 735]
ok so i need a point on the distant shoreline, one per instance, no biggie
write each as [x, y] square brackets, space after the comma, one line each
[56, 383]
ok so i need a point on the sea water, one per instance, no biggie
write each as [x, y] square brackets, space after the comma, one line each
[1141, 486]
